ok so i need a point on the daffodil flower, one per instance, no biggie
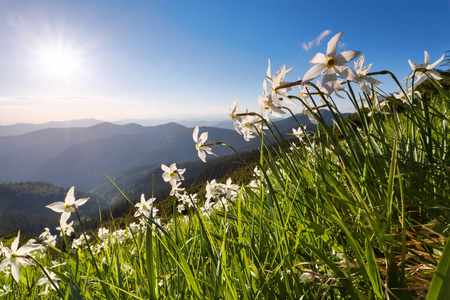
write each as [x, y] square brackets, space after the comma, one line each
[199, 144]
[47, 282]
[362, 78]
[145, 206]
[69, 205]
[268, 106]
[16, 257]
[332, 64]
[299, 133]
[420, 75]
[278, 80]
[233, 116]
[172, 174]
[64, 227]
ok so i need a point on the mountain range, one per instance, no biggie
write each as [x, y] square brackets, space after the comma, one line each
[82, 156]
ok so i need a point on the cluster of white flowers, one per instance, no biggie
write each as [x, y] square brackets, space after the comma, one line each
[333, 66]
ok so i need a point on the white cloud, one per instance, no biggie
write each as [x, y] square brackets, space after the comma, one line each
[341, 45]
[316, 41]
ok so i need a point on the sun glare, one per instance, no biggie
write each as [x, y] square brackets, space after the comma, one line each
[60, 63]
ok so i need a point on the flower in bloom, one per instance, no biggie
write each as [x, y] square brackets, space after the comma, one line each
[176, 189]
[268, 106]
[199, 144]
[277, 80]
[145, 206]
[236, 119]
[69, 205]
[229, 188]
[15, 257]
[46, 281]
[172, 174]
[5, 290]
[420, 75]
[362, 78]
[64, 227]
[250, 125]
[332, 64]
[299, 133]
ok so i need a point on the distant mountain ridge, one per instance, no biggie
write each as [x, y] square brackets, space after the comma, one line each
[22, 128]
[82, 156]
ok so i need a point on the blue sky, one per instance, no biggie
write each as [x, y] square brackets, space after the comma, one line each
[182, 59]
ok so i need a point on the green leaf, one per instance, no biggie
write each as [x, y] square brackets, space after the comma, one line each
[440, 287]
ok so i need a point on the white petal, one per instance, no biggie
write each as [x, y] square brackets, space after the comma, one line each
[202, 155]
[15, 244]
[346, 56]
[319, 58]
[4, 263]
[268, 74]
[427, 58]
[434, 74]
[346, 72]
[203, 138]
[165, 168]
[81, 201]
[359, 63]
[27, 248]
[195, 134]
[313, 72]
[436, 63]
[15, 270]
[70, 197]
[57, 206]
[414, 65]
[332, 44]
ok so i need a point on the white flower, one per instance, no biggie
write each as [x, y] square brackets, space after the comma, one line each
[299, 133]
[250, 125]
[46, 281]
[176, 189]
[69, 205]
[268, 106]
[212, 189]
[145, 206]
[5, 290]
[64, 227]
[15, 257]
[277, 81]
[172, 174]
[362, 78]
[332, 64]
[199, 144]
[236, 119]
[420, 75]
[230, 188]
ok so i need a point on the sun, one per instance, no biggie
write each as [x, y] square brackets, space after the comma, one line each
[60, 62]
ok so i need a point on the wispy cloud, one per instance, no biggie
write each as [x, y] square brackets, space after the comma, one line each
[316, 41]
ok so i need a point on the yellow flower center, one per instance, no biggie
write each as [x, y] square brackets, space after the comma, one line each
[300, 95]
[330, 62]
[266, 103]
[231, 116]
[172, 174]
[272, 89]
[68, 206]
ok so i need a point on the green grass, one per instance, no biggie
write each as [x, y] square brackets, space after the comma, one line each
[357, 211]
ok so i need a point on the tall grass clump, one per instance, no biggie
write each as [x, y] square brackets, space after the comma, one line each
[357, 210]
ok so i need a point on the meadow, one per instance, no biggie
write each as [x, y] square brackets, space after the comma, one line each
[357, 210]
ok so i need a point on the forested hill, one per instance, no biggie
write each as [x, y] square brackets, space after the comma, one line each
[22, 206]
